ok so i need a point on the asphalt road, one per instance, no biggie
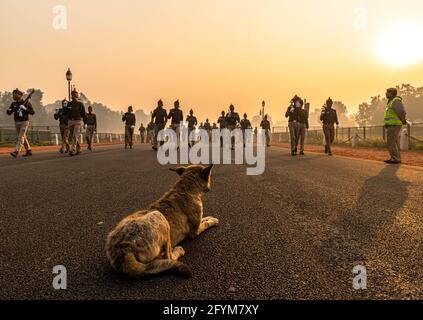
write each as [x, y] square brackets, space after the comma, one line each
[296, 232]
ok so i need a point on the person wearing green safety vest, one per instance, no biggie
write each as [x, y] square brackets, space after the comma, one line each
[394, 119]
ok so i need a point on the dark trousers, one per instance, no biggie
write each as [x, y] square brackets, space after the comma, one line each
[329, 132]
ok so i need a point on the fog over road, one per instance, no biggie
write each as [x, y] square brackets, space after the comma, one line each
[297, 231]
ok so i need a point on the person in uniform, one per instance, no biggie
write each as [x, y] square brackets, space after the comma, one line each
[159, 118]
[394, 118]
[265, 125]
[222, 121]
[62, 115]
[302, 127]
[77, 114]
[207, 126]
[177, 116]
[150, 133]
[21, 111]
[142, 131]
[232, 120]
[192, 122]
[329, 118]
[292, 113]
[245, 125]
[91, 127]
[130, 122]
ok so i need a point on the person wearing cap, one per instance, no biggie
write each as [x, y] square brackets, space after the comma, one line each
[62, 116]
[394, 118]
[245, 125]
[192, 123]
[303, 125]
[177, 116]
[91, 123]
[265, 125]
[130, 122]
[77, 114]
[159, 118]
[142, 131]
[292, 113]
[21, 111]
[329, 117]
[232, 121]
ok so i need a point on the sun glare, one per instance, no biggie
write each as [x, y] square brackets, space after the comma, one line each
[401, 46]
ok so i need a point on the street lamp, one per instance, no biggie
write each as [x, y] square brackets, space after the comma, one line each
[69, 79]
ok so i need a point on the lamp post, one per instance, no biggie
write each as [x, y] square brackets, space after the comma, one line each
[69, 79]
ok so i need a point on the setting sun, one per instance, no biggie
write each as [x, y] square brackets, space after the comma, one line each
[400, 46]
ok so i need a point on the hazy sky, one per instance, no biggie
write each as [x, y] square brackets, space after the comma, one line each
[210, 53]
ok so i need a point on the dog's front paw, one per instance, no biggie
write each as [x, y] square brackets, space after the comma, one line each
[178, 252]
[212, 221]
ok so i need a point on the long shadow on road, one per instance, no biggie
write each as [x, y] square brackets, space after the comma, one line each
[380, 200]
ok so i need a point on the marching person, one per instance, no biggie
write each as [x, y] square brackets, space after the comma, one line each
[159, 118]
[329, 117]
[177, 116]
[265, 125]
[302, 127]
[142, 131]
[150, 133]
[192, 122]
[232, 121]
[394, 118]
[222, 121]
[91, 123]
[77, 114]
[292, 113]
[21, 109]
[245, 125]
[62, 115]
[130, 122]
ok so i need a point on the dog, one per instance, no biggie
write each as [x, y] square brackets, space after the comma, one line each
[144, 244]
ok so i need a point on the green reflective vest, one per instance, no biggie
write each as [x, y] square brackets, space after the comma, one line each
[391, 118]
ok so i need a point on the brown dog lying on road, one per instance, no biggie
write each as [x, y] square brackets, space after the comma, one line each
[144, 243]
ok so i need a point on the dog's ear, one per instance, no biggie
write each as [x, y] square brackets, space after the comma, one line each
[206, 171]
[179, 170]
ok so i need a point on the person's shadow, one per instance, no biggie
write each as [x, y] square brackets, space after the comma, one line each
[379, 201]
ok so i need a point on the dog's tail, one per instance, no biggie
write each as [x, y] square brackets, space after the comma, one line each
[132, 267]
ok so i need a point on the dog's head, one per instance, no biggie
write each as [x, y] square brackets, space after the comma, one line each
[200, 175]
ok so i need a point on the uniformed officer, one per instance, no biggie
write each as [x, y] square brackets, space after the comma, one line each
[222, 121]
[292, 113]
[329, 118]
[245, 125]
[265, 125]
[302, 127]
[130, 122]
[192, 123]
[21, 110]
[62, 115]
[91, 123]
[394, 118]
[177, 116]
[150, 133]
[77, 114]
[207, 126]
[142, 131]
[159, 118]
[232, 120]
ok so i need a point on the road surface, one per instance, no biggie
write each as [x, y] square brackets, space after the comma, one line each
[296, 232]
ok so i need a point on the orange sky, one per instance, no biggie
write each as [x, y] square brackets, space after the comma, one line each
[210, 53]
